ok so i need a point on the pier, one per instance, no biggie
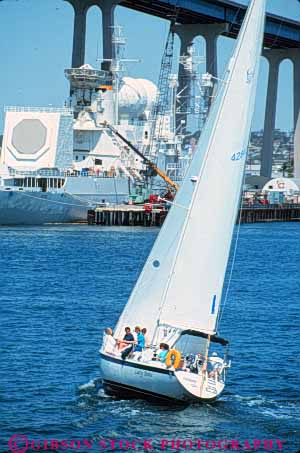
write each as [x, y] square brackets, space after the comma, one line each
[271, 213]
[127, 215]
[148, 216]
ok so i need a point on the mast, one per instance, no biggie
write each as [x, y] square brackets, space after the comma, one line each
[117, 66]
[182, 280]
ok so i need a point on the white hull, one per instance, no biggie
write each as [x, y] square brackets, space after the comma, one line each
[126, 377]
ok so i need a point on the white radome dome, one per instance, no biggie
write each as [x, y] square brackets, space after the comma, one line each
[136, 96]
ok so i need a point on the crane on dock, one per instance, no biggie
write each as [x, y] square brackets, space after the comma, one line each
[163, 96]
[157, 171]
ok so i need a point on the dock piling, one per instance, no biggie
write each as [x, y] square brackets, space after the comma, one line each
[137, 215]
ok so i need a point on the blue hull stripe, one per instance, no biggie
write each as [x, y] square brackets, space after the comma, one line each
[135, 365]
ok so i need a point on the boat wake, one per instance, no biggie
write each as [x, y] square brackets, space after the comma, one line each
[89, 385]
[269, 407]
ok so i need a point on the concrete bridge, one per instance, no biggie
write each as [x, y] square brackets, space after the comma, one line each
[209, 19]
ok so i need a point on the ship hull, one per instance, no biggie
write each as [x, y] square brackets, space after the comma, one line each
[22, 208]
[25, 207]
[129, 379]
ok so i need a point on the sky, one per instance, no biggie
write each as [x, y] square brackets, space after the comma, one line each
[36, 46]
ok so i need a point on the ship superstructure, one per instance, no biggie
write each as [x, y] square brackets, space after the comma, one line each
[57, 163]
[54, 166]
[93, 99]
[180, 110]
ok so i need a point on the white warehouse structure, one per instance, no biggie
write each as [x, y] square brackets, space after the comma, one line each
[288, 185]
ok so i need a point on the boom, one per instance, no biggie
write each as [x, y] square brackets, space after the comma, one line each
[147, 161]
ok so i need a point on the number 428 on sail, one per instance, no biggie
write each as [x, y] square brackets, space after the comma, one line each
[239, 155]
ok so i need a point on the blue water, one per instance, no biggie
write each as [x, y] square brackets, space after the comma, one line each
[62, 285]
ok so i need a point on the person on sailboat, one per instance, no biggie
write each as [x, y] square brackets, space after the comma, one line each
[108, 341]
[164, 350]
[127, 343]
[215, 363]
[140, 339]
[144, 332]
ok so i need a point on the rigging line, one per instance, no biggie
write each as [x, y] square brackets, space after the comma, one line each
[277, 35]
[81, 199]
[222, 80]
[54, 201]
[234, 255]
[90, 201]
[175, 204]
[235, 246]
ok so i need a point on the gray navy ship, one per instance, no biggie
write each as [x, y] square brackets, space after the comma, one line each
[56, 164]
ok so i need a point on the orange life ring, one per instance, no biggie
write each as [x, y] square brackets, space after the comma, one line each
[173, 358]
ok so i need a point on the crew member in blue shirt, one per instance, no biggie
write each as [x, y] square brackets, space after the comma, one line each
[163, 352]
[140, 338]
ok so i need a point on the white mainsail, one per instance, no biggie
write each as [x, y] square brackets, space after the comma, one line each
[182, 281]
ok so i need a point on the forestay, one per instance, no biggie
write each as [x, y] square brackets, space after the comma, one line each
[182, 280]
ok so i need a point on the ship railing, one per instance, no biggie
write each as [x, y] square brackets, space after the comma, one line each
[270, 205]
[37, 173]
[79, 72]
[64, 110]
[176, 166]
[101, 174]
[55, 173]
[177, 171]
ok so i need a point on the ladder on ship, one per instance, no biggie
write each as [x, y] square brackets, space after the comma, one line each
[128, 169]
[163, 97]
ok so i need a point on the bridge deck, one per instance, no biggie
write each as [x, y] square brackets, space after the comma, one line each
[280, 33]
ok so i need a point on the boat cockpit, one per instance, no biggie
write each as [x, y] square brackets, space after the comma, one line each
[188, 350]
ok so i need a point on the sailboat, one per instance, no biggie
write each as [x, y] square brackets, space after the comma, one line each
[177, 296]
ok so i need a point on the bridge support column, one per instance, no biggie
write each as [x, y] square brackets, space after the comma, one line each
[80, 10]
[210, 33]
[296, 62]
[108, 8]
[187, 34]
[274, 57]
[79, 34]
